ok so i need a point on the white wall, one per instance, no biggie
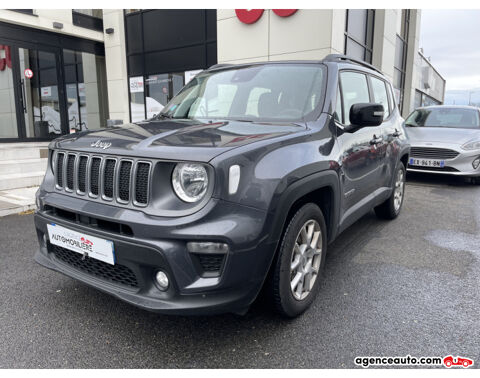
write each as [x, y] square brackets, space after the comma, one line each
[413, 66]
[116, 65]
[307, 34]
[313, 34]
[384, 39]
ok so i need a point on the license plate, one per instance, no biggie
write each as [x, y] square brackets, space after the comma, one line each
[87, 245]
[427, 162]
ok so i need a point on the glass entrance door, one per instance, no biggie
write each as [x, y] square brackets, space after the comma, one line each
[40, 94]
[32, 99]
[47, 91]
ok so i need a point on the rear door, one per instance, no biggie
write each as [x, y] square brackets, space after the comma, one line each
[388, 150]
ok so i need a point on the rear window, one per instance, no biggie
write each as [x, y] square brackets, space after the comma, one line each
[444, 117]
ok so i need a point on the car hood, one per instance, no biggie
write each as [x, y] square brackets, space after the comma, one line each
[424, 135]
[174, 139]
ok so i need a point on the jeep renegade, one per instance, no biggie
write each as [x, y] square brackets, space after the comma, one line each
[239, 184]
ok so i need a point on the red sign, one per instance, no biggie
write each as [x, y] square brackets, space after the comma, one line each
[284, 12]
[28, 73]
[7, 61]
[250, 16]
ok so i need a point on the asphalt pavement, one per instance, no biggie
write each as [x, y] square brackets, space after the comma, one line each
[406, 287]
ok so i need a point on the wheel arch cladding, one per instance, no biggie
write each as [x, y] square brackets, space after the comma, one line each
[321, 188]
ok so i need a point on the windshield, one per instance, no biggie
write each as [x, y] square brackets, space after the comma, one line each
[444, 117]
[275, 92]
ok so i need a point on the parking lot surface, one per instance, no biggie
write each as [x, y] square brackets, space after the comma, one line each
[411, 286]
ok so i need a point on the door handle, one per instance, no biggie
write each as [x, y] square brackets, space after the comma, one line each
[396, 134]
[22, 87]
[376, 140]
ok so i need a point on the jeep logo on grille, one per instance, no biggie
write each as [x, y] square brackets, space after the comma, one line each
[100, 144]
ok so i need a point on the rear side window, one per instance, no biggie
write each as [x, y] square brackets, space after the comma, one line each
[354, 91]
[380, 95]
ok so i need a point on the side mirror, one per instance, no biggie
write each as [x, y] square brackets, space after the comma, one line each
[364, 115]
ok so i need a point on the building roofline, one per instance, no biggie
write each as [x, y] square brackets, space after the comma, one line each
[431, 65]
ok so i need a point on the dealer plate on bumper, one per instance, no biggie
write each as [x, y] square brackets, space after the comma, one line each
[427, 162]
[87, 245]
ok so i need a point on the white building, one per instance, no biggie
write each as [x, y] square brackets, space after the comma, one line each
[67, 70]
[90, 65]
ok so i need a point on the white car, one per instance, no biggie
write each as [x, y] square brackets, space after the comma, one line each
[445, 140]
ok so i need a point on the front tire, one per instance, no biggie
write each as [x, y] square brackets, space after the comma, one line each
[390, 209]
[299, 263]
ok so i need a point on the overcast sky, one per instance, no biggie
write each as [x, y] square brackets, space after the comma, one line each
[452, 39]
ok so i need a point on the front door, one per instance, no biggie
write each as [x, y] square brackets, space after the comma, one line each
[359, 164]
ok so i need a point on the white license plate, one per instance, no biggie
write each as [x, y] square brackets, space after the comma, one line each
[427, 162]
[87, 245]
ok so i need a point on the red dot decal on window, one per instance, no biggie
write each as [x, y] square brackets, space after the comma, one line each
[284, 12]
[249, 16]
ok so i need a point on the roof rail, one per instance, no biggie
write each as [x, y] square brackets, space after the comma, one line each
[346, 58]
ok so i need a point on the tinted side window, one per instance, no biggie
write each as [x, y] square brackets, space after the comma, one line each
[380, 95]
[354, 91]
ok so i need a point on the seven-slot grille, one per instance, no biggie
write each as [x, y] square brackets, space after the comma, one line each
[433, 153]
[106, 178]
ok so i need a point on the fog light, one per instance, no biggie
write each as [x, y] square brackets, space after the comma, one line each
[476, 163]
[162, 280]
[207, 247]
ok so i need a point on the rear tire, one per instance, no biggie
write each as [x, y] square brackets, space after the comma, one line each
[390, 209]
[299, 263]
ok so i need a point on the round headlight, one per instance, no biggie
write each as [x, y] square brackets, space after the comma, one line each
[190, 181]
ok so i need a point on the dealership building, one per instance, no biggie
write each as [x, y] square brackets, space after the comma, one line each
[63, 71]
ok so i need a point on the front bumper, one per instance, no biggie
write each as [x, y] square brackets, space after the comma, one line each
[461, 165]
[160, 243]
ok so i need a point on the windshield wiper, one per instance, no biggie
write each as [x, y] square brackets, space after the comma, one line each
[164, 115]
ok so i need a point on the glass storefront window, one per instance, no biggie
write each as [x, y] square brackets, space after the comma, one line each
[85, 81]
[160, 89]
[149, 95]
[97, 13]
[418, 99]
[137, 99]
[8, 118]
[46, 91]
[359, 33]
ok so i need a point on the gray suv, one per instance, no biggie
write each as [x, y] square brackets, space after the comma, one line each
[239, 184]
